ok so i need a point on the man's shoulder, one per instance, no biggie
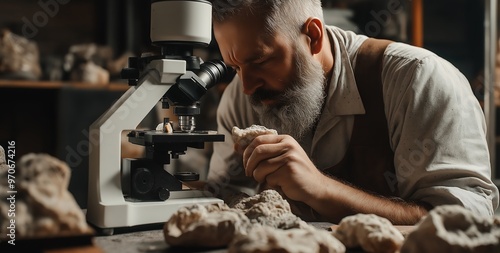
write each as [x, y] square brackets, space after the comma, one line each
[405, 60]
[409, 67]
[399, 50]
[396, 49]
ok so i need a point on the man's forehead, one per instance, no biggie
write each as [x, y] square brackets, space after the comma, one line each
[244, 53]
[245, 34]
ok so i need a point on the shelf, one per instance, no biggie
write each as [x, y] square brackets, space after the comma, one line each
[115, 86]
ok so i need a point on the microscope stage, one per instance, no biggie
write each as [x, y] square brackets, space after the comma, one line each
[151, 137]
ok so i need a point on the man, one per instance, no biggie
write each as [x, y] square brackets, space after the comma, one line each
[366, 126]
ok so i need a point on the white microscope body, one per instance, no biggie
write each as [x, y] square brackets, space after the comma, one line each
[174, 24]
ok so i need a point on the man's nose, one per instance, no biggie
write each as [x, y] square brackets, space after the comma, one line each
[250, 82]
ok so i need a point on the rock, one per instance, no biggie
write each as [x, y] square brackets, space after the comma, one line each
[91, 73]
[233, 197]
[263, 239]
[3, 162]
[43, 205]
[204, 226]
[271, 197]
[370, 232]
[452, 228]
[3, 185]
[217, 224]
[86, 63]
[243, 137]
[19, 57]
[270, 209]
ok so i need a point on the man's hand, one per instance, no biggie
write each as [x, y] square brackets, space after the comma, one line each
[281, 163]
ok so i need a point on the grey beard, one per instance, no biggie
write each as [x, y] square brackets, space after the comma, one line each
[301, 104]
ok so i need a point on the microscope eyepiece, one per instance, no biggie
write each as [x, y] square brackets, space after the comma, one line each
[212, 72]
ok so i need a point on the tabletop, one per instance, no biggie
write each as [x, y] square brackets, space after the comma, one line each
[152, 241]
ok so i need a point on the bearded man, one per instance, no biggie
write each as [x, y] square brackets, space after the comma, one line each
[365, 125]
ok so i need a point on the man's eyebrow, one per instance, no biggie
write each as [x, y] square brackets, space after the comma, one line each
[248, 60]
[254, 57]
[258, 54]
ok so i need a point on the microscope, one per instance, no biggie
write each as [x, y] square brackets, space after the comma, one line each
[139, 191]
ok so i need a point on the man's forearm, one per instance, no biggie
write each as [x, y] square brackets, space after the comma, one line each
[337, 200]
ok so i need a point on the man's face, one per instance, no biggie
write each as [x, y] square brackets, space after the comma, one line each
[284, 82]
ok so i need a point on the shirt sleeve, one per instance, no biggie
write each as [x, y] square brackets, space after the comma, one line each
[437, 130]
[226, 174]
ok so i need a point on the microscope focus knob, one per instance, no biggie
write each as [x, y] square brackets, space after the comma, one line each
[163, 193]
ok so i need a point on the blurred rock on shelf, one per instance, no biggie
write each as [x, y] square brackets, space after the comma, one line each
[92, 63]
[19, 57]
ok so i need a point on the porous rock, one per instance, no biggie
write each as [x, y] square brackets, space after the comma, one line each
[270, 209]
[263, 239]
[212, 225]
[452, 228]
[43, 205]
[217, 224]
[243, 137]
[370, 232]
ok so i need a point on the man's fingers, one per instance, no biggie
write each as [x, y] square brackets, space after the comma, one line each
[258, 141]
[267, 167]
[259, 156]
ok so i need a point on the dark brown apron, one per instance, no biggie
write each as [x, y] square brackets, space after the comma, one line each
[369, 161]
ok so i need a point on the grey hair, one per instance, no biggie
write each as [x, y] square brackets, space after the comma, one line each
[281, 16]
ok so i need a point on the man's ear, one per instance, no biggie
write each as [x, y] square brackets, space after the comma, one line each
[313, 29]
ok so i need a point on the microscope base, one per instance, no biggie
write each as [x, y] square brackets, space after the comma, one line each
[123, 214]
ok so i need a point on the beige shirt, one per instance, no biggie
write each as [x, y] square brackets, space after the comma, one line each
[436, 127]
